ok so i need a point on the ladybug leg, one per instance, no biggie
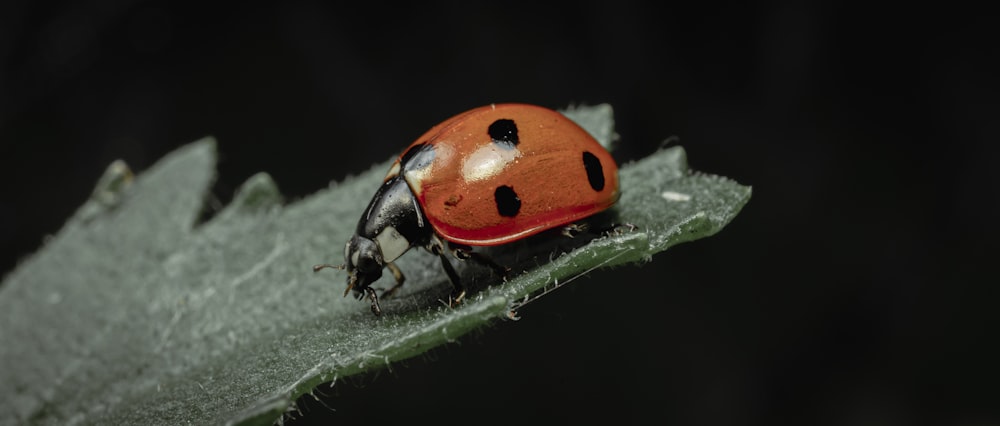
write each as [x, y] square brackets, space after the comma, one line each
[398, 275]
[619, 228]
[466, 253]
[436, 246]
[376, 309]
[458, 293]
[574, 229]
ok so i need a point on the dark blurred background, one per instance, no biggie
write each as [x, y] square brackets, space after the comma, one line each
[858, 286]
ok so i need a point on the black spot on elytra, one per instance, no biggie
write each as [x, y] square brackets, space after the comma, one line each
[595, 171]
[508, 204]
[417, 157]
[504, 133]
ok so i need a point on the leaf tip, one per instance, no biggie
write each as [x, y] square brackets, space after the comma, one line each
[598, 120]
[257, 192]
[116, 178]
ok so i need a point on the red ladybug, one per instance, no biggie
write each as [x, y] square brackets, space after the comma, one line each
[485, 177]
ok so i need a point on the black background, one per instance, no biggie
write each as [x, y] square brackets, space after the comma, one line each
[856, 287]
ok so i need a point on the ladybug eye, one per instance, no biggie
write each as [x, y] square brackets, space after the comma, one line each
[364, 254]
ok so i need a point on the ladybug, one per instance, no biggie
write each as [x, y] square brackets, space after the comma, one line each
[485, 177]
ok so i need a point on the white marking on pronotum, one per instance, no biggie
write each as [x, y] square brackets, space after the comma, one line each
[392, 244]
[393, 171]
[675, 196]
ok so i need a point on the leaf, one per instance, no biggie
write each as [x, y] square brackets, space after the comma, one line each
[134, 314]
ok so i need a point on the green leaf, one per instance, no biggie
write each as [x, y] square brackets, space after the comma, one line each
[134, 314]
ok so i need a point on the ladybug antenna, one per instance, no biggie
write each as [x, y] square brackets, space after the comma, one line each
[317, 268]
[350, 283]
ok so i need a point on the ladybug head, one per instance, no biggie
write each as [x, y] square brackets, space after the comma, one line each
[363, 260]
